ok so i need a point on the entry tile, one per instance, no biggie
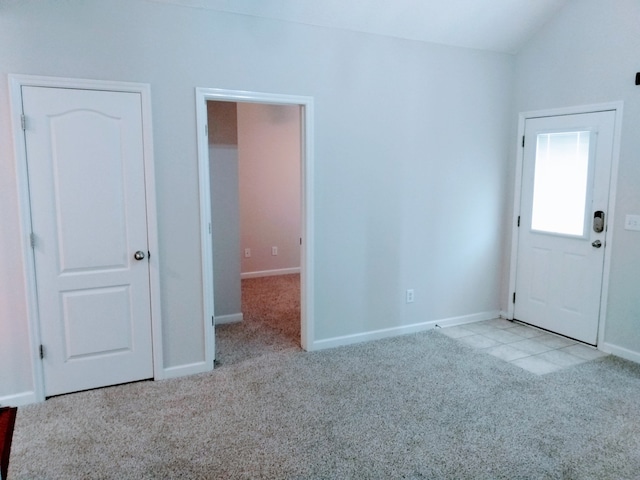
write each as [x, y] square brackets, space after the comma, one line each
[503, 335]
[479, 327]
[536, 365]
[583, 351]
[479, 341]
[456, 332]
[507, 353]
[526, 332]
[560, 358]
[527, 347]
[554, 341]
[500, 323]
[532, 346]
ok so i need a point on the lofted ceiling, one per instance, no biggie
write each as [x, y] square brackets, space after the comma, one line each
[496, 25]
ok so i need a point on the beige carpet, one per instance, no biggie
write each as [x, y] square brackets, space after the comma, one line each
[271, 309]
[420, 406]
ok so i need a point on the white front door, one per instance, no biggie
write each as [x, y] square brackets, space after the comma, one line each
[563, 217]
[88, 212]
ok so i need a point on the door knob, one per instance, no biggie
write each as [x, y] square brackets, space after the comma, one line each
[596, 244]
[139, 255]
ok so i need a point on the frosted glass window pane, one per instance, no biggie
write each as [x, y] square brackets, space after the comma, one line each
[560, 183]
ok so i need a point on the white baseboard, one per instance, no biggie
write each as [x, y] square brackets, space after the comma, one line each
[231, 318]
[18, 400]
[505, 315]
[270, 273]
[472, 318]
[620, 352]
[402, 330]
[184, 370]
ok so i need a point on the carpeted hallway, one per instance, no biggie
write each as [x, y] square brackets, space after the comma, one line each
[271, 309]
[417, 406]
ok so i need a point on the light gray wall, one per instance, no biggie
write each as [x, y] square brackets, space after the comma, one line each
[225, 209]
[588, 54]
[269, 172]
[410, 158]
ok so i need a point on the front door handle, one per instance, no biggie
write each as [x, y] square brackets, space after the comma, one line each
[596, 244]
[139, 255]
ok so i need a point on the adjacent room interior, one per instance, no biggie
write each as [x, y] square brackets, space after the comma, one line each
[255, 157]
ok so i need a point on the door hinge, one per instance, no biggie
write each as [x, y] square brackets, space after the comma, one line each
[523, 141]
[209, 228]
[206, 130]
[213, 320]
[32, 239]
[514, 297]
[41, 352]
[518, 220]
[23, 122]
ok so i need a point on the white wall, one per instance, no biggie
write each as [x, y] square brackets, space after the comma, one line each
[410, 158]
[269, 153]
[222, 120]
[588, 54]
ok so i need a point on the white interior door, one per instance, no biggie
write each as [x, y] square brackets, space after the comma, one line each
[88, 212]
[565, 190]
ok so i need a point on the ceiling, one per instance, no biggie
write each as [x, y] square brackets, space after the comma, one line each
[496, 25]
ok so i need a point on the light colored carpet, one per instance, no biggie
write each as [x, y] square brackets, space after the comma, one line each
[271, 311]
[417, 406]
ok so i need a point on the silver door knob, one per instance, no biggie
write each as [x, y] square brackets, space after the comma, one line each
[138, 255]
[597, 244]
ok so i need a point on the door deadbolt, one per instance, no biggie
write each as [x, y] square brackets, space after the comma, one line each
[598, 221]
[139, 255]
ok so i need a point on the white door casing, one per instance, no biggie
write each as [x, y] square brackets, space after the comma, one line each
[91, 206]
[307, 203]
[559, 273]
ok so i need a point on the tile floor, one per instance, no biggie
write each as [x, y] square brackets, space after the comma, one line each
[527, 347]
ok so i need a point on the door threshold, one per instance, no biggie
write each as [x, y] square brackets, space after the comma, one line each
[515, 320]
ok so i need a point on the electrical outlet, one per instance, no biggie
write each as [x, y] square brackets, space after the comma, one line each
[410, 296]
[274, 251]
[632, 222]
[247, 253]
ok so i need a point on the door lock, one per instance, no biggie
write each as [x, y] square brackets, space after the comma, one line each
[598, 221]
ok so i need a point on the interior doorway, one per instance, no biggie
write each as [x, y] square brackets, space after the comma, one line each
[254, 161]
[233, 253]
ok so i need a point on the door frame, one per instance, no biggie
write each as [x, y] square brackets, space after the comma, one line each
[16, 82]
[306, 204]
[617, 107]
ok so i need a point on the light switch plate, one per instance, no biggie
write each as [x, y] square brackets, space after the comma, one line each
[632, 222]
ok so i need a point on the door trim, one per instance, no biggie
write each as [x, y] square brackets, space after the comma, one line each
[306, 206]
[522, 118]
[16, 82]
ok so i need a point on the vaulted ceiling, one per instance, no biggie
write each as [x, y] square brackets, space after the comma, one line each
[496, 25]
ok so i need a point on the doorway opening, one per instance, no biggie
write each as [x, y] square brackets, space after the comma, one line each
[256, 182]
